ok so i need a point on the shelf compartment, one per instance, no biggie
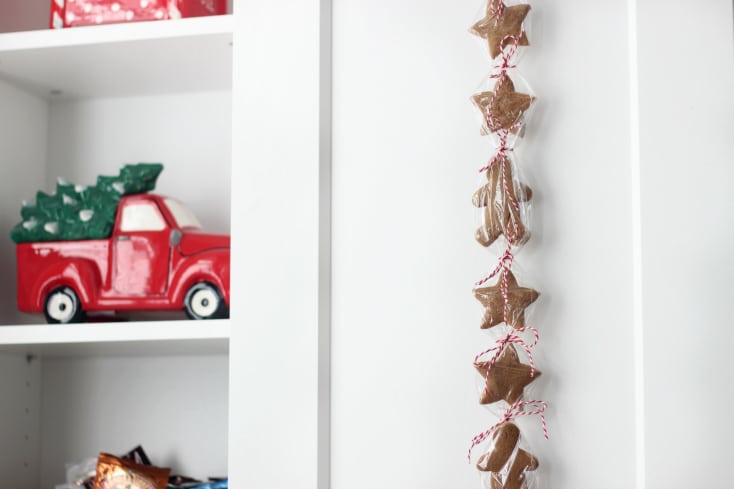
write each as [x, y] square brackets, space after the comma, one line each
[119, 60]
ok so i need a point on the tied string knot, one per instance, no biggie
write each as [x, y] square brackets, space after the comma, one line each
[502, 149]
[514, 411]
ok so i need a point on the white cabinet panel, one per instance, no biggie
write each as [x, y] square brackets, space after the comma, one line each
[686, 66]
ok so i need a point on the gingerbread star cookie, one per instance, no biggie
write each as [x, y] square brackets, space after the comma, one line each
[501, 203]
[518, 298]
[496, 30]
[503, 107]
[516, 477]
[506, 379]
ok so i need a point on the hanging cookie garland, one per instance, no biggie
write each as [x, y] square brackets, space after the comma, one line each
[503, 202]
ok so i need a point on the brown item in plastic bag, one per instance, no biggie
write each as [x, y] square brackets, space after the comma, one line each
[114, 473]
[506, 379]
[501, 203]
[509, 24]
[503, 107]
[493, 300]
[504, 441]
[515, 479]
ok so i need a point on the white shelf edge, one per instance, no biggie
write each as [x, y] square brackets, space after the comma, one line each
[138, 331]
[111, 33]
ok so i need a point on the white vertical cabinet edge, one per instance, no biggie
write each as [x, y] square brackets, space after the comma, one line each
[20, 420]
[325, 200]
[637, 302]
[274, 343]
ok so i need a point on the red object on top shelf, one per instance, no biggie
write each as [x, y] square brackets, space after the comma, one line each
[72, 13]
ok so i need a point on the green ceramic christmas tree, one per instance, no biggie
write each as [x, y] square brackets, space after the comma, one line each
[76, 212]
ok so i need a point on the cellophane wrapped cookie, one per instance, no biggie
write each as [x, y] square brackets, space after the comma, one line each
[503, 204]
[500, 25]
[504, 461]
[504, 102]
[505, 301]
[504, 377]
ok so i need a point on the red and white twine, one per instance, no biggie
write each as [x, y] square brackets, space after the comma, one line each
[496, 9]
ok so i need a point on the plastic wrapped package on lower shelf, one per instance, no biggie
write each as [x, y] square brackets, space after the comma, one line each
[132, 470]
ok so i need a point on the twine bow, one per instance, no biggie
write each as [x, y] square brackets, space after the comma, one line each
[500, 344]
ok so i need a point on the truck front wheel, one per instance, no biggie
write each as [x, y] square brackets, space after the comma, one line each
[62, 306]
[203, 301]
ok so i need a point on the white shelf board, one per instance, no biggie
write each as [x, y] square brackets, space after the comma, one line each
[118, 60]
[118, 338]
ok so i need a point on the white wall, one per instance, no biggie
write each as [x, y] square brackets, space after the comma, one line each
[686, 69]
[23, 139]
[405, 324]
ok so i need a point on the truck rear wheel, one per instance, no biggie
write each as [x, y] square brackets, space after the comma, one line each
[62, 305]
[203, 301]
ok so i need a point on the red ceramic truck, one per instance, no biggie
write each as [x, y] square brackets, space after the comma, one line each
[157, 258]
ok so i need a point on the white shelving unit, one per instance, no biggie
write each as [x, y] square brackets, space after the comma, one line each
[78, 103]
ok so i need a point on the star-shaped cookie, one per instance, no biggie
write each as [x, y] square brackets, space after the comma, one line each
[518, 298]
[506, 379]
[501, 202]
[504, 441]
[496, 31]
[503, 107]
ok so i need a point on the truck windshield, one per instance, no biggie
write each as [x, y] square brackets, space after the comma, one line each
[183, 216]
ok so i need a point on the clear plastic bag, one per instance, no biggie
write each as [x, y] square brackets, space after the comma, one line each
[505, 301]
[504, 376]
[78, 473]
[497, 25]
[502, 203]
[505, 462]
[502, 456]
[505, 102]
